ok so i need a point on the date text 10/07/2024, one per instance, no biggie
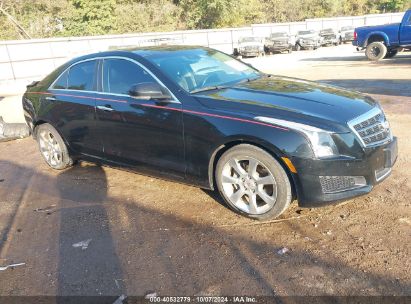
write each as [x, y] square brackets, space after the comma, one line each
[202, 299]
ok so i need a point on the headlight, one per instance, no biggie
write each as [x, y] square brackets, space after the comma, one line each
[321, 141]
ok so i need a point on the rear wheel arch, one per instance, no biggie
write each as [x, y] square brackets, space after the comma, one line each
[36, 126]
[273, 151]
[376, 38]
[42, 122]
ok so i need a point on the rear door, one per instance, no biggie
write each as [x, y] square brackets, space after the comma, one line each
[405, 31]
[147, 134]
[71, 107]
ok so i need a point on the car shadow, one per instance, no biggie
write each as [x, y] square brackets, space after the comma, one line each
[146, 248]
[88, 262]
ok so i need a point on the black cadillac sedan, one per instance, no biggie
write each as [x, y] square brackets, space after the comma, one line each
[198, 116]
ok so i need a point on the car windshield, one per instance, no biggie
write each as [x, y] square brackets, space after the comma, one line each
[306, 32]
[278, 35]
[201, 69]
[250, 39]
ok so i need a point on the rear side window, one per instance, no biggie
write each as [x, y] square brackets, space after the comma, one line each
[81, 76]
[61, 82]
[120, 75]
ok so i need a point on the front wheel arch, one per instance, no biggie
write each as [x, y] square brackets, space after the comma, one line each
[274, 152]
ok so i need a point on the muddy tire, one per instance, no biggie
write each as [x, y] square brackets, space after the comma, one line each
[253, 183]
[52, 147]
[376, 51]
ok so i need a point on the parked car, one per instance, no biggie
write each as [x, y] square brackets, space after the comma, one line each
[250, 47]
[329, 37]
[280, 42]
[308, 40]
[347, 34]
[384, 41]
[198, 116]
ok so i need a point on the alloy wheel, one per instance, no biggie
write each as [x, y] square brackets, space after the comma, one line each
[50, 148]
[249, 185]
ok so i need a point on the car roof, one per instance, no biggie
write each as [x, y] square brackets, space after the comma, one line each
[138, 51]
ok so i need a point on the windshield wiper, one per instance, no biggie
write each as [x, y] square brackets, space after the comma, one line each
[221, 87]
[210, 88]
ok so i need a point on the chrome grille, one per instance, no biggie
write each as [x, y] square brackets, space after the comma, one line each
[251, 48]
[371, 128]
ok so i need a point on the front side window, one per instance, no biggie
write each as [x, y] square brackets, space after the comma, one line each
[120, 75]
[81, 76]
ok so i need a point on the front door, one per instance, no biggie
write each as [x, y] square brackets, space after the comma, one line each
[146, 134]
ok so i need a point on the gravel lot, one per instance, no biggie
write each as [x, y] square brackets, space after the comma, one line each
[153, 235]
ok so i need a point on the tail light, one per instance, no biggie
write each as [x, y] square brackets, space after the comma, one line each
[355, 35]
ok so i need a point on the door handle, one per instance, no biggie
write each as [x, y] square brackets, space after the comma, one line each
[105, 108]
[51, 98]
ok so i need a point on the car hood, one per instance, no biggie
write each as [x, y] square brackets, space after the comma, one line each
[281, 39]
[310, 36]
[327, 34]
[252, 44]
[320, 105]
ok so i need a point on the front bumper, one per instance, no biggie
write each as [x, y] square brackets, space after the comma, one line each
[253, 53]
[374, 167]
[279, 47]
[309, 44]
[329, 41]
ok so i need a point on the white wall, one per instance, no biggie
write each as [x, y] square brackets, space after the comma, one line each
[25, 60]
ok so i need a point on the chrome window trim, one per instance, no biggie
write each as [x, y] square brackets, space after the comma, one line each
[68, 75]
[373, 112]
[174, 100]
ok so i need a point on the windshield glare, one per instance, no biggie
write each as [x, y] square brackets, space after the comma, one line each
[305, 32]
[200, 68]
[250, 39]
[274, 35]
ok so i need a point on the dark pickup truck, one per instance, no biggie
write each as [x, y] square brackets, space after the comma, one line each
[384, 41]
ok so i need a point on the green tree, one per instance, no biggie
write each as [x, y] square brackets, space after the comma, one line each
[147, 16]
[220, 13]
[393, 5]
[90, 17]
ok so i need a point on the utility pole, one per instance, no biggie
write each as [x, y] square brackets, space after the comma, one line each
[20, 29]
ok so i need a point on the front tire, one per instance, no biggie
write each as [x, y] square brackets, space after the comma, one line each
[391, 54]
[253, 183]
[52, 147]
[376, 51]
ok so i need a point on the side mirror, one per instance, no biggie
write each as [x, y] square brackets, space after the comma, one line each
[149, 90]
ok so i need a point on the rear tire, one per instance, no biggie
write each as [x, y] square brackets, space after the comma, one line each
[253, 183]
[376, 51]
[52, 147]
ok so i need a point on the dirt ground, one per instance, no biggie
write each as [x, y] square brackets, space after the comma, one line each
[146, 234]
